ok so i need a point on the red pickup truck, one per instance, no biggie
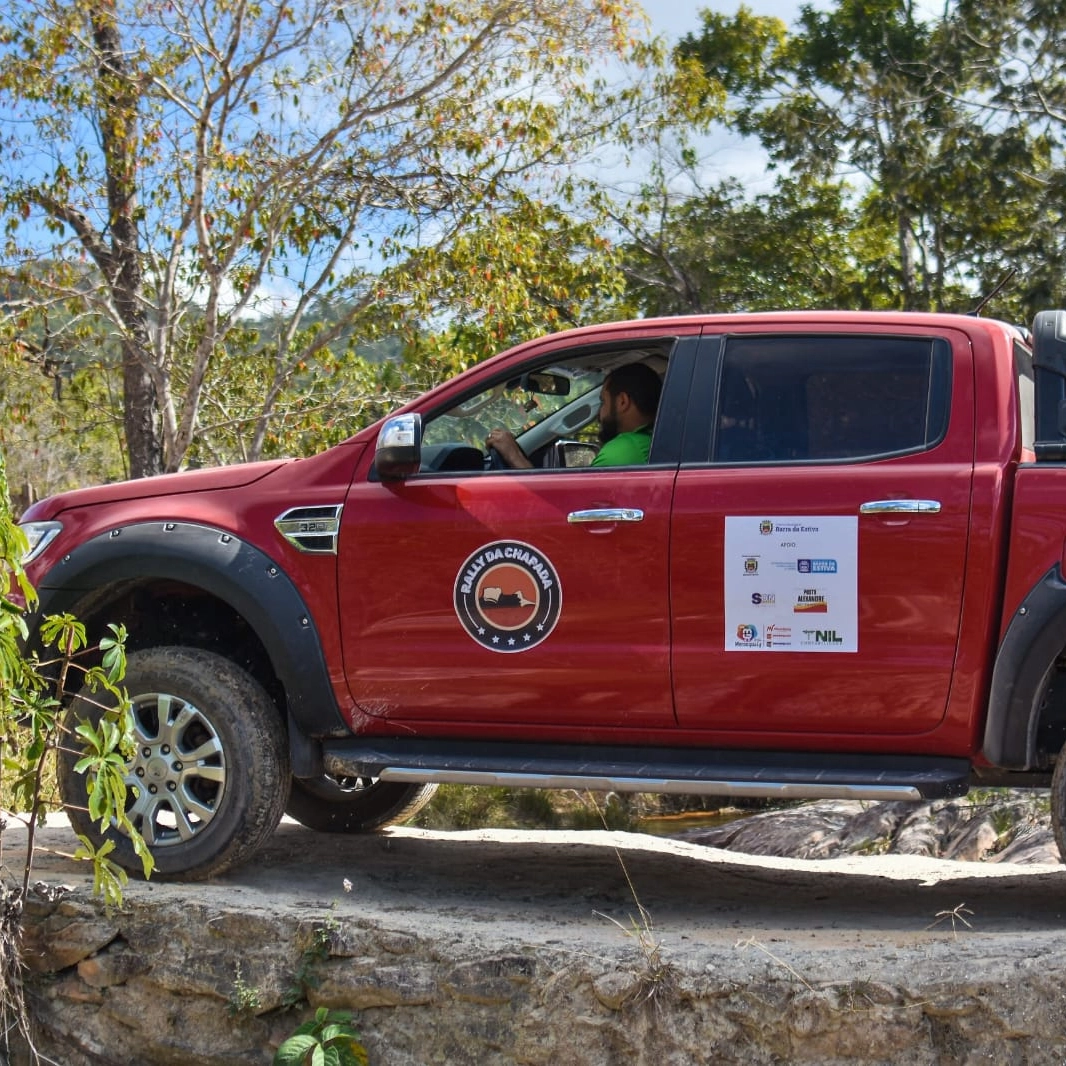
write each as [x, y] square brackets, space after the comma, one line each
[839, 574]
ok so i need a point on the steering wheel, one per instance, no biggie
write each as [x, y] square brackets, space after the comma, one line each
[494, 461]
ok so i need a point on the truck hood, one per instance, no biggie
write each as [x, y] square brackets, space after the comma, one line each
[223, 477]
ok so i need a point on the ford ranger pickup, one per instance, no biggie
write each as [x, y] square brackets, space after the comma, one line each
[839, 574]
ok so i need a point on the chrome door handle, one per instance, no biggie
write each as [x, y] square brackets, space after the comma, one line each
[606, 514]
[901, 507]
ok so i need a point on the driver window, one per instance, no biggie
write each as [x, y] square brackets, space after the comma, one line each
[551, 410]
[544, 417]
[517, 404]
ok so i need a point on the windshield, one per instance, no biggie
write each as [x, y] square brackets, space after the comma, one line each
[516, 405]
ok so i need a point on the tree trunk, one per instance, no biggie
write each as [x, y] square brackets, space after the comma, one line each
[117, 105]
[908, 274]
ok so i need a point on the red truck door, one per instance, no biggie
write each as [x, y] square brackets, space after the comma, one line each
[516, 598]
[819, 533]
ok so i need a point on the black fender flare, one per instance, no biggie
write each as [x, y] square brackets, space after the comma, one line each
[1033, 642]
[241, 575]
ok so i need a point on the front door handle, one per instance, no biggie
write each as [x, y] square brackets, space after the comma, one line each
[901, 507]
[606, 514]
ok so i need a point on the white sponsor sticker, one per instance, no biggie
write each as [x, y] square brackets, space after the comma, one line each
[792, 583]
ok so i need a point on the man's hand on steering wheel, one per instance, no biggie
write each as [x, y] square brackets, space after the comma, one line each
[504, 452]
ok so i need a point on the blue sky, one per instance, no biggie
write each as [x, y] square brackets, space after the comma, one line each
[675, 18]
[724, 155]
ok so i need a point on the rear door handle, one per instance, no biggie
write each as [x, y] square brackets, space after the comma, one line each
[901, 507]
[606, 514]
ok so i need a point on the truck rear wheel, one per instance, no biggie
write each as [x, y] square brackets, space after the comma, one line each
[354, 804]
[208, 780]
[1058, 803]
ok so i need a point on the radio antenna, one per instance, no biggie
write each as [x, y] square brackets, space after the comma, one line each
[995, 292]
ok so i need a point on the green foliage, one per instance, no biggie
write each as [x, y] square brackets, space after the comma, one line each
[33, 694]
[937, 133]
[326, 1040]
[316, 951]
[490, 807]
[59, 406]
[462, 807]
[801, 246]
[535, 267]
[244, 999]
[32, 697]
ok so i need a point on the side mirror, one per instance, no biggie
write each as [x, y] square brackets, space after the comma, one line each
[399, 448]
[577, 453]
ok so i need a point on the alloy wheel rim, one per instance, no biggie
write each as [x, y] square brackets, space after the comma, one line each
[177, 777]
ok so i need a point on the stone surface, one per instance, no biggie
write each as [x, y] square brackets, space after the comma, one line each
[590, 949]
[994, 826]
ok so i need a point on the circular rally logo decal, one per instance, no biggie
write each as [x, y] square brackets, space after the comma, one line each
[508, 597]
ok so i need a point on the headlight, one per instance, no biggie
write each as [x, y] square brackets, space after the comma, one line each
[39, 535]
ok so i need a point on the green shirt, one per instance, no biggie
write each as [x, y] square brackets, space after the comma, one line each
[627, 449]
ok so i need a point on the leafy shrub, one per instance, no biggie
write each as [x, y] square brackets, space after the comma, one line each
[33, 726]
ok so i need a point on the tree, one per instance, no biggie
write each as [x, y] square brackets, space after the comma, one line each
[60, 411]
[1014, 50]
[178, 164]
[721, 250]
[883, 97]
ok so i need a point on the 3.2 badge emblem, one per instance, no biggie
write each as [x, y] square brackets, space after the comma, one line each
[508, 596]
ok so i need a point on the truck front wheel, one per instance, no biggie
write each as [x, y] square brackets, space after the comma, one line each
[354, 804]
[209, 775]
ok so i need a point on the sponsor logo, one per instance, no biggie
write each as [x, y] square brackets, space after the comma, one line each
[778, 636]
[751, 565]
[764, 598]
[747, 634]
[822, 636]
[816, 566]
[767, 526]
[811, 601]
[507, 596]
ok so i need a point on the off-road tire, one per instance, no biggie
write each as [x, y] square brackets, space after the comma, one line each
[354, 805]
[212, 745]
[1058, 804]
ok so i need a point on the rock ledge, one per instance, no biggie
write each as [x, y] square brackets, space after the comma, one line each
[501, 947]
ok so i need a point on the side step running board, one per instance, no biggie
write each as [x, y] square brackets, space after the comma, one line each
[697, 771]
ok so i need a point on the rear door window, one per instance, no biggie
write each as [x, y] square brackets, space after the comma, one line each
[830, 398]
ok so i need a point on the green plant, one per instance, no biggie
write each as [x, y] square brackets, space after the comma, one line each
[328, 1039]
[615, 812]
[104, 748]
[34, 693]
[244, 999]
[494, 807]
[316, 951]
[1003, 819]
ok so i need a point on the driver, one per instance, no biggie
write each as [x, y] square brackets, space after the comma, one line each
[629, 399]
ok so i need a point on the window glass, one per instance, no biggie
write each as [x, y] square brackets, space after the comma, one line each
[819, 398]
[517, 405]
[1023, 366]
